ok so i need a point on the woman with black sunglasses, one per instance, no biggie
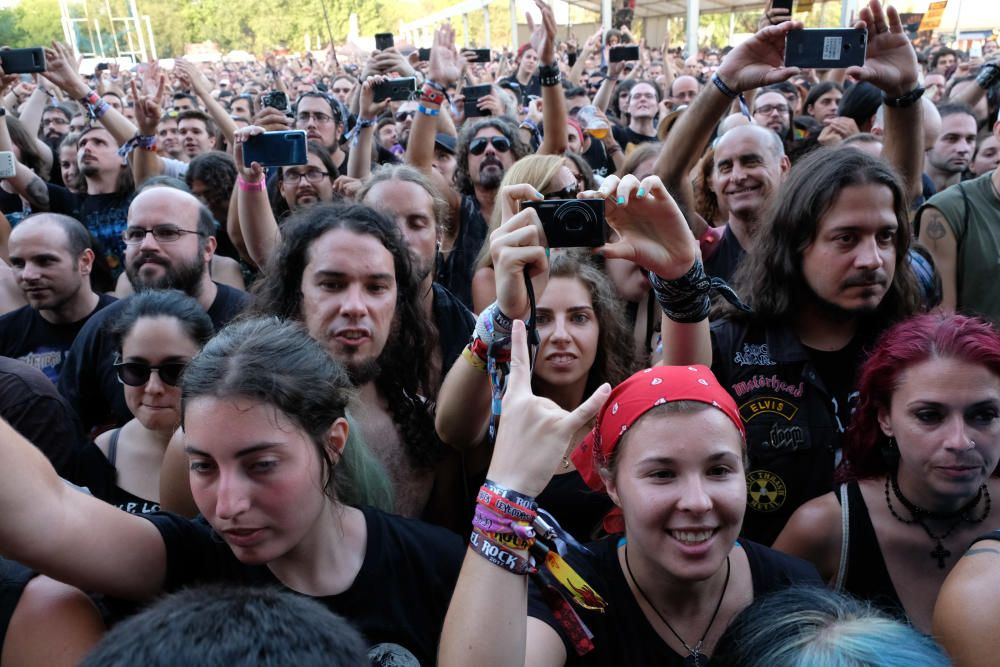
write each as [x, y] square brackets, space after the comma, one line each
[156, 335]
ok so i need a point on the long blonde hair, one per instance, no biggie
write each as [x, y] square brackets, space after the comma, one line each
[535, 170]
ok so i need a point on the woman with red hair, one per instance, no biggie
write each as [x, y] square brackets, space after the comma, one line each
[919, 467]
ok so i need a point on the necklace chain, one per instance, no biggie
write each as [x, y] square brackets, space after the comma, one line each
[696, 650]
[919, 514]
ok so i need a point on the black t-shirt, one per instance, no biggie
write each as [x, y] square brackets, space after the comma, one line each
[455, 271]
[93, 470]
[622, 634]
[106, 216]
[455, 324]
[14, 577]
[578, 508]
[88, 379]
[628, 139]
[598, 159]
[30, 404]
[61, 200]
[727, 256]
[29, 337]
[838, 370]
[398, 599]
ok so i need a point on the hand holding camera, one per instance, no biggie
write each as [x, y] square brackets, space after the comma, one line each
[517, 245]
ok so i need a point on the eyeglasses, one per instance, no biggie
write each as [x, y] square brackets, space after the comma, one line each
[401, 116]
[311, 175]
[768, 109]
[478, 146]
[136, 373]
[319, 117]
[161, 233]
[568, 192]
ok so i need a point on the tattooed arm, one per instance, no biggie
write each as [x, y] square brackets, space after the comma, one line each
[936, 235]
[967, 607]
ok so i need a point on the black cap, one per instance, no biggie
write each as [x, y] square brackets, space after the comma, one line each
[445, 142]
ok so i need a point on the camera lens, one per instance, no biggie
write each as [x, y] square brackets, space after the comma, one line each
[574, 216]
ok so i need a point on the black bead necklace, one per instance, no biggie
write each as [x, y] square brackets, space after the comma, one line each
[919, 514]
[696, 657]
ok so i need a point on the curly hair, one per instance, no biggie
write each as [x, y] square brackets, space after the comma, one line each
[770, 277]
[911, 342]
[404, 365]
[217, 171]
[469, 131]
[615, 358]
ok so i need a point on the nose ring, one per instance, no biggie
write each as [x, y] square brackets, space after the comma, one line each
[972, 444]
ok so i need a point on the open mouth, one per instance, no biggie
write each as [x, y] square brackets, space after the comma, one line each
[692, 538]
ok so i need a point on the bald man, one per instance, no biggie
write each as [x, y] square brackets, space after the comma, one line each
[169, 244]
[51, 259]
[750, 165]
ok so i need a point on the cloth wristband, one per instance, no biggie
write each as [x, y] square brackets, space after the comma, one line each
[499, 555]
[524, 501]
[504, 507]
[249, 186]
[426, 111]
[686, 299]
[473, 359]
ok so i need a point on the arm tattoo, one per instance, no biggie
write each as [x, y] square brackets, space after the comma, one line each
[936, 230]
[37, 194]
[981, 550]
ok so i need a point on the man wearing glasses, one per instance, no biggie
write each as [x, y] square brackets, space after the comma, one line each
[321, 119]
[169, 244]
[771, 110]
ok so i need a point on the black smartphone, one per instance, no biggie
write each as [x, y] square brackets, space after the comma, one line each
[384, 40]
[482, 55]
[397, 90]
[276, 100]
[782, 4]
[424, 55]
[616, 54]
[23, 61]
[825, 48]
[472, 95]
[276, 149]
[571, 223]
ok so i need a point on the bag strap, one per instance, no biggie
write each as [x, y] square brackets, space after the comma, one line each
[845, 522]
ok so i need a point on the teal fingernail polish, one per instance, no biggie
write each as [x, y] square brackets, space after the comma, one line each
[621, 200]
[539, 194]
[547, 252]
[641, 193]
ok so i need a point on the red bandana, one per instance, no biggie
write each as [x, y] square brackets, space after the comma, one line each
[635, 397]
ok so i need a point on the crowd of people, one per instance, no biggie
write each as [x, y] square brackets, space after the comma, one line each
[365, 409]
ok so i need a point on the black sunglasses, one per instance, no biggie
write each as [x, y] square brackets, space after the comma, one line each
[568, 192]
[401, 116]
[136, 373]
[478, 146]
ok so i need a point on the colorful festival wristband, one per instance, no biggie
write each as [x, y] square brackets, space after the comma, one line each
[499, 555]
[504, 507]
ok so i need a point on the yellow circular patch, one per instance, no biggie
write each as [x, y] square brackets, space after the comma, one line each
[765, 491]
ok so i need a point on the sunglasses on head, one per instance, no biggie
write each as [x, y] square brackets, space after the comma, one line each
[478, 146]
[568, 192]
[136, 373]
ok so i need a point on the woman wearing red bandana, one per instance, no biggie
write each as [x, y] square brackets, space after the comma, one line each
[668, 447]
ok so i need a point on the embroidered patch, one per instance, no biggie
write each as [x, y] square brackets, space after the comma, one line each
[754, 355]
[766, 491]
[768, 404]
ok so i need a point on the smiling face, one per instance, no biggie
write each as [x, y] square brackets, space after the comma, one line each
[939, 408]
[155, 341]
[349, 297]
[259, 481]
[850, 264]
[747, 172]
[569, 331]
[680, 482]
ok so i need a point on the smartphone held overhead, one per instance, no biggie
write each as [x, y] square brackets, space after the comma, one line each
[276, 149]
[825, 48]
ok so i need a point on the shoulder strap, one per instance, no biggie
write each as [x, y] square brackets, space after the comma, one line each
[965, 218]
[113, 446]
[845, 522]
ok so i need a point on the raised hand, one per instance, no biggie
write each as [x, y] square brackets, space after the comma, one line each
[759, 61]
[543, 36]
[255, 172]
[890, 62]
[193, 76]
[148, 108]
[773, 16]
[518, 244]
[535, 433]
[652, 231]
[368, 107]
[62, 70]
[444, 66]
